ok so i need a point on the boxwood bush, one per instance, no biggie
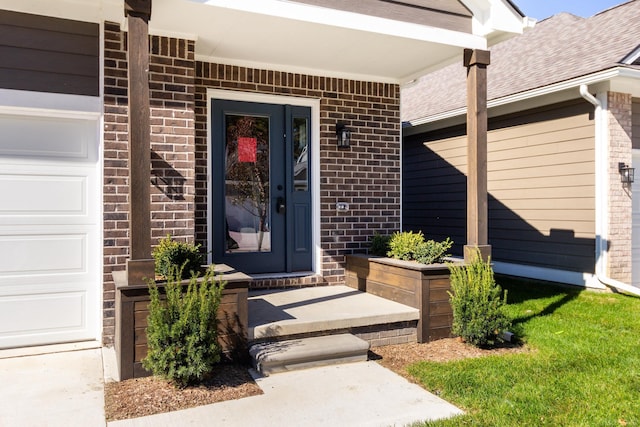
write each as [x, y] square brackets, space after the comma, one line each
[477, 303]
[182, 331]
[379, 244]
[171, 253]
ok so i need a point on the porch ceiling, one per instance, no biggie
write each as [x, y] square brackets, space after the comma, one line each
[276, 34]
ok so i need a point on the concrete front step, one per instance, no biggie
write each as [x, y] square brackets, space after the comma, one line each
[286, 314]
[282, 356]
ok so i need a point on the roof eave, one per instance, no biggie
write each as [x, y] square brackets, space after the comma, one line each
[617, 74]
[497, 19]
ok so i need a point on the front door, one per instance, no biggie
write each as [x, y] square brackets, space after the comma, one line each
[261, 186]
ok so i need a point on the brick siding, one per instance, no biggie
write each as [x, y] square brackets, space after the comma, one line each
[171, 83]
[367, 175]
[620, 219]
[115, 189]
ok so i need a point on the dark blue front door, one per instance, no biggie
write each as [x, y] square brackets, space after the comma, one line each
[261, 186]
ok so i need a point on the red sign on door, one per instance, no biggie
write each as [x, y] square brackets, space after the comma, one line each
[247, 150]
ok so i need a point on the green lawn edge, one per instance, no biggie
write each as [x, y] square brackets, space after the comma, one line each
[582, 367]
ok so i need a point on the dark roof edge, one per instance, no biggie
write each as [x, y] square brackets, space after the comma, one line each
[516, 8]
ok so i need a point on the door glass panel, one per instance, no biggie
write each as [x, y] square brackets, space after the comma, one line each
[247, 195]
[300, 154]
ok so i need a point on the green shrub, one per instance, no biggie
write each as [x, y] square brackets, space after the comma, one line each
[410, 246]
[404, 244]
[171, 253]
[432, 252]
[379, 244]
[182, 334]
[477, 303]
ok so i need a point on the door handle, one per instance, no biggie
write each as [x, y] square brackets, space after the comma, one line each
[281, 206]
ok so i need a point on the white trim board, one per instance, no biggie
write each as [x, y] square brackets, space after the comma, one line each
[587, 280]
[50, 104]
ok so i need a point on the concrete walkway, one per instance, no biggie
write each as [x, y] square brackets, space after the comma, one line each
[67, 389]
[50, 390]
[356, 394]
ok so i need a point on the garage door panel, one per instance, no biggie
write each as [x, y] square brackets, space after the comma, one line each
[46, 285]
[42, 254]
[49, 195]
[44, 258]
[27, 319]
[47, 137]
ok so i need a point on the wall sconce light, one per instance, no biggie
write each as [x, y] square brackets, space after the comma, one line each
[343, 135]
[626, 173]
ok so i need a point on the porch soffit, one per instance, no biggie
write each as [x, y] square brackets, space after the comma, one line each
[275, 34]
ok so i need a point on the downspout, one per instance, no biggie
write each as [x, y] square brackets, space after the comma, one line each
[601, 196]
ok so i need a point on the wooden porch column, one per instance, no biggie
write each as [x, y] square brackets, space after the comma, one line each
[476, 62]
[140, 264]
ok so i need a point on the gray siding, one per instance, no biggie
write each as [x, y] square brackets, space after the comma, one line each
[448, 14]
[541, 184]
[48, 54]
[635, 130]
[434, 185]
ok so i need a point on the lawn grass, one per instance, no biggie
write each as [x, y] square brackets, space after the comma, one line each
[583, 368]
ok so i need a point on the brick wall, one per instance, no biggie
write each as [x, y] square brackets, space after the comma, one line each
[171, 82]
[367, 175]
[115, 190]
[620, 218]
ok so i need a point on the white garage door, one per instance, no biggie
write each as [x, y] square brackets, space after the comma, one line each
[635, 233]
[49, 230]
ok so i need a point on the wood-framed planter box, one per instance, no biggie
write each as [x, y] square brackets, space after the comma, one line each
[410, 283]
[357, 271]
[132, 304]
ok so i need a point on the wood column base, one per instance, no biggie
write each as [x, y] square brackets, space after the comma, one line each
[471, 252]
[140, 270]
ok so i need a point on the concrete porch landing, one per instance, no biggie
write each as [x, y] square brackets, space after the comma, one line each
[325, 310]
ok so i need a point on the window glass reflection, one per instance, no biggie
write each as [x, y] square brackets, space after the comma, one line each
[247, 196]
[300, 154]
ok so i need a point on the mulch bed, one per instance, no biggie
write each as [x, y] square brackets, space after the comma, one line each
[398, 357]
[139, 397]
